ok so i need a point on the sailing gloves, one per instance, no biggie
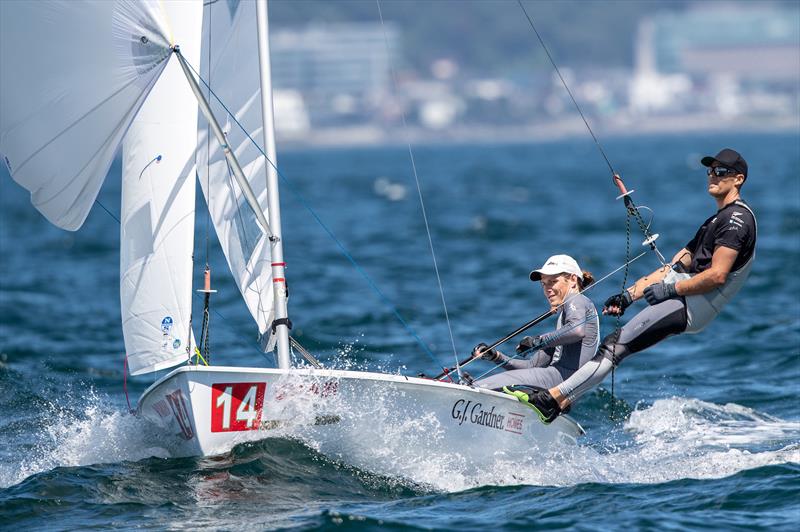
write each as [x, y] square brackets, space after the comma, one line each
[620, 301]
[528, 343]
[656, 293]
[479, 351]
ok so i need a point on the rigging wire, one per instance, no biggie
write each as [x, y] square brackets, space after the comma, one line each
[419, 193]
[552, 62]
[301, 199]
[630, 207]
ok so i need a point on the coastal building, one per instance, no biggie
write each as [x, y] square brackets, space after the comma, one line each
[342, 71]
[729, 58]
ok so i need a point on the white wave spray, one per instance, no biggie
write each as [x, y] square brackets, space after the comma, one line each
[673, 439]
[78, 432]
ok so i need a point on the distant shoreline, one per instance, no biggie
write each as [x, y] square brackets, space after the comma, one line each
[542, 132]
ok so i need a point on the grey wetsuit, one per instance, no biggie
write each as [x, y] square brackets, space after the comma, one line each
[572, 344]
[733, 226]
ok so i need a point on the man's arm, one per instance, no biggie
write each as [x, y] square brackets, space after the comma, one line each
[715, 276]
[615, 305]
[683, 257]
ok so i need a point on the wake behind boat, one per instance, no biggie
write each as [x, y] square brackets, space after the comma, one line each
[140, 92]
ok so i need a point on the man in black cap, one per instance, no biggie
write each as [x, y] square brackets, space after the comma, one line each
[683, 297]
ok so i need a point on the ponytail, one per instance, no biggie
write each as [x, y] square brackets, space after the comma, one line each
[587, 279]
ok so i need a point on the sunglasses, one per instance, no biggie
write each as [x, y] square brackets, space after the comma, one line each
[721, 171]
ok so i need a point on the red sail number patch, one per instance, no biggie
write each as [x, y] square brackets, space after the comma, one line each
[236, 406]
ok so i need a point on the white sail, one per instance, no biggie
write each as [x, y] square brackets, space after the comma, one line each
[73, 75]
[157, 217]
[229, 33]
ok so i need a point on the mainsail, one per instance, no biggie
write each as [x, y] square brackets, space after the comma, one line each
[229, 65]
[74, 75]
[157, 218]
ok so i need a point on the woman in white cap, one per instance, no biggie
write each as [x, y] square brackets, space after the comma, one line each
[556, 355]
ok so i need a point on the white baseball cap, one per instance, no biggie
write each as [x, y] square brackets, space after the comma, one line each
[555, 265]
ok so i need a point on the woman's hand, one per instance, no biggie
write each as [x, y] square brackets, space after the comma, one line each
[481, 351]
[528, 343]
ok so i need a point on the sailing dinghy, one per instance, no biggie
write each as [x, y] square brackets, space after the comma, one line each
[104, 74]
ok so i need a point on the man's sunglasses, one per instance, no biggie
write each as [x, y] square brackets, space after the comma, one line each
[721, 171]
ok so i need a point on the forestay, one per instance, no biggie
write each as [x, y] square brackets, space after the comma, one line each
[74, 74]
[230, 45]
[157, 217]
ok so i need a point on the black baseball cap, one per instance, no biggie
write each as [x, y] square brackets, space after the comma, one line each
[729, 158]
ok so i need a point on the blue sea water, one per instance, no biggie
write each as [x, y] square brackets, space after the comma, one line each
[706, 432]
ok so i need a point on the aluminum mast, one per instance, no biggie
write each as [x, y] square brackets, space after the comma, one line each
[281, 324]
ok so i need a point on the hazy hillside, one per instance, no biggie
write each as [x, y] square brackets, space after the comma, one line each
[491, 36]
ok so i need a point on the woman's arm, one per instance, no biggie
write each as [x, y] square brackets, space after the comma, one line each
[540, 359]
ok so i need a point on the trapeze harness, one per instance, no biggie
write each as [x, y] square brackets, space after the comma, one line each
[571, 345]
[689, 314]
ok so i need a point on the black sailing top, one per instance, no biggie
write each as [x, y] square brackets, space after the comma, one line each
[733, 226]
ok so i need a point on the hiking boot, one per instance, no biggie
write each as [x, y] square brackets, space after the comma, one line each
[544, 405]
[537, 399]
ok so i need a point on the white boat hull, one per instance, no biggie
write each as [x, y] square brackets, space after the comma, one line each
[356, 417]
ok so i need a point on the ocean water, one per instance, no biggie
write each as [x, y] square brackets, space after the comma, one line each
[706, 428]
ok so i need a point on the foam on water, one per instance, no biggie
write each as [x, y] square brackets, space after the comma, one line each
[680, 438]
[78, 432]
[672, 439]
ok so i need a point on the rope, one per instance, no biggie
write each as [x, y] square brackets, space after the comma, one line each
[419, 194]
[199, 356]
[300, 198]
[239, 334]
[206, 334]
[618, 321]
[236, 333]
[109, 212]
[125, 381]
